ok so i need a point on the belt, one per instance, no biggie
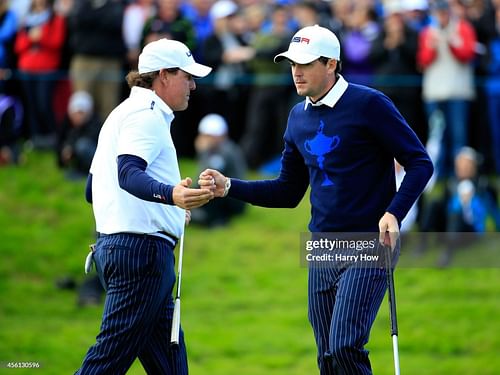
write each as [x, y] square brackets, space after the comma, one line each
[167, 236]
[160, 234]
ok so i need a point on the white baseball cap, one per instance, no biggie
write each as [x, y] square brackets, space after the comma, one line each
[416, 4]
[311, 43]
[222, 9]
[393, 6]
[166, 53]
[213, 124]
[80, 101]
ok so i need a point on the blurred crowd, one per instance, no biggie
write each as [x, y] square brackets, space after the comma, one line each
[63, 62]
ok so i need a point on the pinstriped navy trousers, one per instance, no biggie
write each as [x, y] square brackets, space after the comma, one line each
[343, 304]
[138, 274]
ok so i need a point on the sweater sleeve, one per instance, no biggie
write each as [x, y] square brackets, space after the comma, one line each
[88, 189]
[426, 53]
[286, 191]
[22, 42]
[133, 179]
[402, 143]
[465, 49]
[54, 33]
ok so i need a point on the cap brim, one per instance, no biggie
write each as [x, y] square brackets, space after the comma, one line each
[197, 70]
[296, 57]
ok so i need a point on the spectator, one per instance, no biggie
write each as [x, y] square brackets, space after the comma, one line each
[169, 23]
[452, 213]
[78, 135]
[254, 15]
[63, 89]
[466, 214]
[198, 13]
[96, 40]
[228, 52]
[38, 46]
[493, 87]
[135, 17]
[445, 53]
[215, 150]
[270, 92]
[466, 210]
[358, 39]
[8, 29]
[341, 11]
[10, 89]
[11, 118]
[393, 54]
[481, 16]
[305, 13]
[416, 14]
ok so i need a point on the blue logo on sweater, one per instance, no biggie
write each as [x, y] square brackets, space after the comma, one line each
[319, 146]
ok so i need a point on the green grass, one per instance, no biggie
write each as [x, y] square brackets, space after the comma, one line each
[244, 292]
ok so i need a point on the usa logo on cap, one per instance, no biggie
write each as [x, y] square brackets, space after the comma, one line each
[299, 39]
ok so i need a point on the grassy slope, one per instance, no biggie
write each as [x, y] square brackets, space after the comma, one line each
[244, 293]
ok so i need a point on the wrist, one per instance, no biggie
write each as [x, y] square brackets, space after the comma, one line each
[227, 186]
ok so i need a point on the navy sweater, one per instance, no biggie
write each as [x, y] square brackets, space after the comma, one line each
[346, 154]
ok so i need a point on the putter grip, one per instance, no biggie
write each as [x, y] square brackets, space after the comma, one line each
[176, 322]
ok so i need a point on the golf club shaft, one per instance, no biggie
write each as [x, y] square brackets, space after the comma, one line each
[176, 318]
[179, 267]
[391, 296]
[392, 307]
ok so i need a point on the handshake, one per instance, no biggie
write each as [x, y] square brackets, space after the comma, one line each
[212, 185]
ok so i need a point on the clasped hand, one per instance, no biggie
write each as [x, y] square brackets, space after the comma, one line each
[186, 197]
[214, 181]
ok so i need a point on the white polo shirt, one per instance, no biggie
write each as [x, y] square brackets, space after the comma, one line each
[139, 126]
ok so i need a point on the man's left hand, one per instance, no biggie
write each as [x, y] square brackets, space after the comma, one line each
[389, 230]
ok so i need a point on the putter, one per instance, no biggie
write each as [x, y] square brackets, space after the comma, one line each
[176, 319]
[392, 306]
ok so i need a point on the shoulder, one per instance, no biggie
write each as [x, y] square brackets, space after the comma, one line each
[368, 101]
[297, 109]
[138, 106]
[361, 90]
[362, 94]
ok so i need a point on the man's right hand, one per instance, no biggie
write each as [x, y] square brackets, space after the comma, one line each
[187, 198]
[214, 181]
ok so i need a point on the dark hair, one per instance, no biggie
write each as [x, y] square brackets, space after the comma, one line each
[145, 80]
[338, 68]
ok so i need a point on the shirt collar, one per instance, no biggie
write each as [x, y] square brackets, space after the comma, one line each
[332, 97]
[154, 101]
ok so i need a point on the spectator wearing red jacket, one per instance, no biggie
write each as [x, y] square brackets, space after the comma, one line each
[445, 54]
[38, 46]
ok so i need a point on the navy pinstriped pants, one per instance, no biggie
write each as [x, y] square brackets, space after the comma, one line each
[343, 304]
[138, 274]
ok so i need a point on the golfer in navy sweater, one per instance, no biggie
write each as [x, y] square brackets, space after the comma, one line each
[342, 141]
